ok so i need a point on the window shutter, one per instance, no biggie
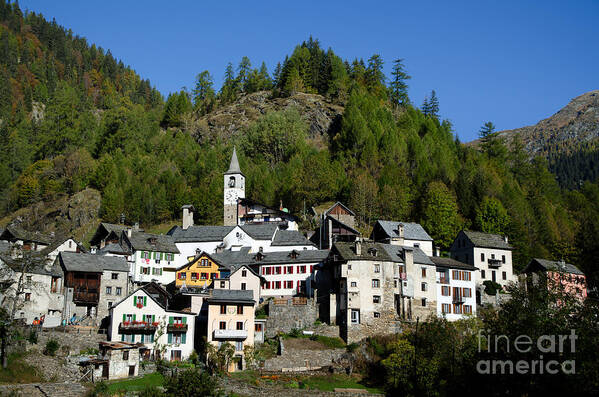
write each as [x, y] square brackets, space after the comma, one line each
[145, 300]
[284, 269]
[184, 336]
[134, 317]
[170, 320]
[152, 338]
[134, 301]
[184, 320]
[122, 337]
[170, 337]
[153, 320]
[124, 317]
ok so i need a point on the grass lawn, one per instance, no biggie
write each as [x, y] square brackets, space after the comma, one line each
[18, 371]
[137, 384]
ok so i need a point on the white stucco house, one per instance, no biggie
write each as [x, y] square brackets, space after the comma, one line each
[153, 256]
[456, 288]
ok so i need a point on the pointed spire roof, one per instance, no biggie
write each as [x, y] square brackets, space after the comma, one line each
[234, 166]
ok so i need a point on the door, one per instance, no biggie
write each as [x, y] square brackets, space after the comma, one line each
[132, 370]
[493, 277]
[105, 371]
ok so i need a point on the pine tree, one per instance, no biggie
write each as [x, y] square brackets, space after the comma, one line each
[426, 107]
[375, 71]
[487, 129]
[276, 75]
[203, 93]
[398, 86]
[434, 104]
[243, 72]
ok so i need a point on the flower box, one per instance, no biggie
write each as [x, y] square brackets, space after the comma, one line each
[155, 323]
[140, 305]
[126, 323]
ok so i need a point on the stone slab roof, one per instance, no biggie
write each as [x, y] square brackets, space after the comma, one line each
[199, 233]
[232, 295]
[396, 252]
[112, 248]
[451, 263]
[487, 240]
[412, 231]
[142, 242]
[230, 258]
[289, 237]
[260, 231]
[74, 262]
[556, 266]
[19, 233]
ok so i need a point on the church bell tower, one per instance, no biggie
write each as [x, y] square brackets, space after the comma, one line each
[234, 189]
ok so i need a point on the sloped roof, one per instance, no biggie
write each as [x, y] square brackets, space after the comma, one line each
[234, 165]
[154, 291]
[345, 226]
[58, 242]
[451, 263]
[74, 262]
[283, 214]
[141, 241]
[289, 237]
[340, 204]
[260, 231]
[243, 257]
[231, 295]
[22, 234]
[199, 233]
[556, 266]
[411, 231]
[113, 248]
[384, 252]
[487, 240]
[37, 266]
[4, 246]
[397, 253]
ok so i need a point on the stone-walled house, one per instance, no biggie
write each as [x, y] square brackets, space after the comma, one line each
[231, 320]
[146, 316]
[23, 240]
[335, 223]
[456, 288]
[491, 254]
[557, 275]
[116, 360]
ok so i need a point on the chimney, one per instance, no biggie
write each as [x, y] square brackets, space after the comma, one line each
[437, 251]
[358, 247]
[128, 232]
[136, 226]
[408, 257]
[505, 238]
[281, 205]
[92, 250]
[400, 233]
[187, 216]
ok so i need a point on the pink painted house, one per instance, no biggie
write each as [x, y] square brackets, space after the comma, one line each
[569, 276]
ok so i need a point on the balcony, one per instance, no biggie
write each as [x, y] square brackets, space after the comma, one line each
[458, 299]
[494, 262]
[137, 326]
[230, 334]
[86, 298]
[176, 327]
[444, 280]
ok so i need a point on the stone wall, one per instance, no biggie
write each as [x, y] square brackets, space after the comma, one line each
[285, 317]
[74, 339]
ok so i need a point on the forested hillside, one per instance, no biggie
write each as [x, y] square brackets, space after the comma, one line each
[74, 117]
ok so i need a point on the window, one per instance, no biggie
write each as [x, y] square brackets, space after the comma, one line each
[277, 269]
[482, 256]
[239, 346]
[114, 276]
[268, 270]
[54, 284]
[377, 268]
[417, 245]
[423, 286]
[204, 263]
[182, 276]
[377, 315]
[222, 284]
[376, 299]
[493, 276]
[204, 276]
[354, 284]
[277, 284]
[482, 274]
[467, 276]
[288, 284]
[239, 309]
[457, 309]
[504, 275]
[29, 279]
[376, 283]
[423, 302]
[125, 354]
[289, 269]
[213, 276]
[445, 291]
[118, 290]
[109, 305]
[108, 290]
[244, 273]
[145, 270]
[467, 309]
[223, 309]
[168, 257]
[243, 286]
[492, 256]
[502, 258]
[424, 272]
[395, 283]
[239, 325]
[467, 292]
[258, 327]
[70, 243]
[355, 316]
[301, 269]
[157, 271]
[176, 338]
[446, 308]
[222, 325]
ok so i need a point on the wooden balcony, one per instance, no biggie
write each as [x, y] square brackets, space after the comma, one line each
[494, 262]
[230, 334]
[458, 299]
[86, 297]
[177, 327]
[137, 326]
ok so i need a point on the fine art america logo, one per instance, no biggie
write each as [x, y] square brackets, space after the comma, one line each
[553, 345]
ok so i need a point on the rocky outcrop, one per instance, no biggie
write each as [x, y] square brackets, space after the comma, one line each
[575, 124]
[230, 120]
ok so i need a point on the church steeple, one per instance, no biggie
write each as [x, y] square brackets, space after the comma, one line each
[234, 166]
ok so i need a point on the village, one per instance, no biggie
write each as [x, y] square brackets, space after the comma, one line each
[256, 276]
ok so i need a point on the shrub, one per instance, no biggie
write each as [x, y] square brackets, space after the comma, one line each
[51, 347]
[194, 358]
[151, 391]
[317, 322]
[100, 389]
[295, 333]
[191, 383]
[32, 337]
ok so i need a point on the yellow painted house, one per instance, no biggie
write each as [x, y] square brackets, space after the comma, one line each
[199, 271]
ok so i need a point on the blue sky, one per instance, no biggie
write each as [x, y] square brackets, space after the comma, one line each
[510, 62]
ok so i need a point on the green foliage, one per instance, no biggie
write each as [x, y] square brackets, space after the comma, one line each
[492, 217]
[191, 383]
[491, 287]
[52, 347]
[440, 214]
[32, 338]
[398, 86]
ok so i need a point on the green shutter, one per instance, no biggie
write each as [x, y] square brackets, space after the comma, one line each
[124, 317]
[183, 338]
[161, 256]
[184, 320]
[145, 300]
[170, 338]
[153, 318]
[152, 338]
[170, 320]
[122, 337]
[134, 317]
